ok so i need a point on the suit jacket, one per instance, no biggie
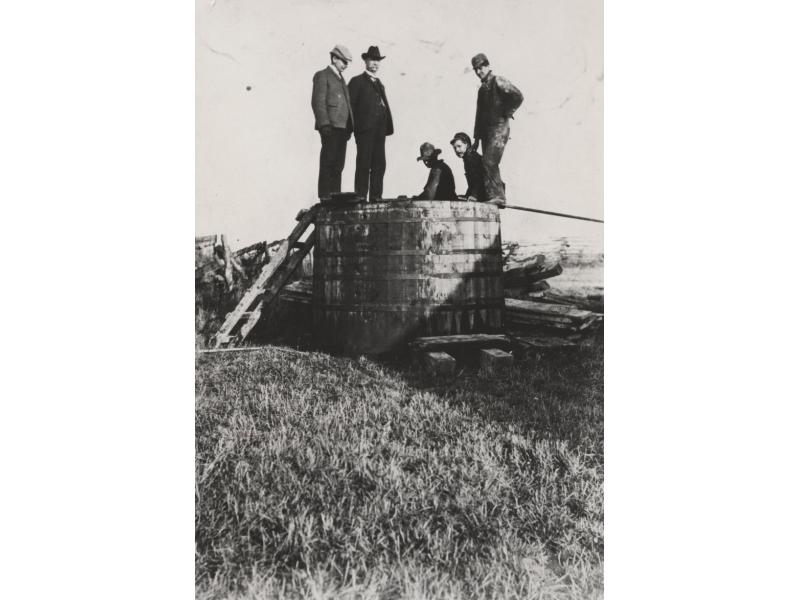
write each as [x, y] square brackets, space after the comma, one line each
[330, 101]
[364, 96]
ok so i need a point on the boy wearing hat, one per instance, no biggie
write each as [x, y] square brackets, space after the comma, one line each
[440, 184]
[473, 166]
[373, 122]
[498, 99]
[333, 118]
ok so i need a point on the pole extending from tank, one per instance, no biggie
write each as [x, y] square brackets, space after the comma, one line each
[555, 214]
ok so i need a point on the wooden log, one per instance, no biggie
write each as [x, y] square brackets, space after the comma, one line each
[471, 340]
[535, 290]
[494, 360]
[439, 363]
[525, 276]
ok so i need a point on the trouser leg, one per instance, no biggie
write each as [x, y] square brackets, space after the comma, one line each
[377, 166]
[364, 145]
[341, 151]
[331, 162]
[493, 147]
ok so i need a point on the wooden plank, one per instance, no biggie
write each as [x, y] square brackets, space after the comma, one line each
[543, 309]
[494, 360]
[474, 339]
[541, 343]
[592, 303]
[439, 363]
[552, 323]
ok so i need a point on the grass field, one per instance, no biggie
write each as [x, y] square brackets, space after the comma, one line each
[324, 477]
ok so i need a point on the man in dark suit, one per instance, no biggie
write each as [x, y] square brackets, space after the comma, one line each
[373, 122]
[333, 118]
[440, 184]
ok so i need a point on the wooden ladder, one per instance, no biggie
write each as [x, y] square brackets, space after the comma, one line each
[275, 274]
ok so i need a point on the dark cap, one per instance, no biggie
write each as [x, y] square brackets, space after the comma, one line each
[463, 137]
[478, 60]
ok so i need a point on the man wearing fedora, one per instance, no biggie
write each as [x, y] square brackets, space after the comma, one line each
[333, 118]
[498, 99]
[440, 184]
[373, 122]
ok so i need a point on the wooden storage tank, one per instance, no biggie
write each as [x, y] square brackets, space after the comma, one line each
[390, 271]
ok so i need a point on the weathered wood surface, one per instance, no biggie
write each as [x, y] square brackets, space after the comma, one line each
[485, 340]
[591, 302]
[494, 360]
[530, 274]
[385, 273]
[544, 309]
[439, 363]
[550, 315]
[544, 343]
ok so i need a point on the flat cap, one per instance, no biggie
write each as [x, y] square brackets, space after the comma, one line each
[342, 52]
[479, 59]
[463, 137]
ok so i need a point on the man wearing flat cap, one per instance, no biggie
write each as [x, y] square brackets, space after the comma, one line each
[333, 118]
[473, 167]
[440, 184]
[498, 99]
[373, 122]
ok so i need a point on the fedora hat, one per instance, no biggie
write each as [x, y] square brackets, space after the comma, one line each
[428, 150]
[342, 52]
[373, 54]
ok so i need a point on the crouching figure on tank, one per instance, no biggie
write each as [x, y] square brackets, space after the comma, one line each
[440, 184]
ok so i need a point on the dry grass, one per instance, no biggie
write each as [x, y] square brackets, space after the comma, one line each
[323, 477]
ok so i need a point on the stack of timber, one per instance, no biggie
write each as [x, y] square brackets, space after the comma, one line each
[527, 279]
[592, 300]
[526, 313]
[559, 270]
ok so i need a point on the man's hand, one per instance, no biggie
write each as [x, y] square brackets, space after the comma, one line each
[326, 130]
[472, 199]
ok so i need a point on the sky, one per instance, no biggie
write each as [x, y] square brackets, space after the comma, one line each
[257, 153]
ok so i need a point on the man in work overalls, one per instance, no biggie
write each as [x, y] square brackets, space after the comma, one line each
[498, 99]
